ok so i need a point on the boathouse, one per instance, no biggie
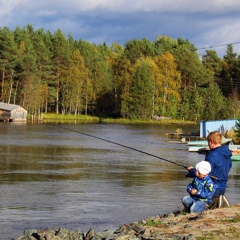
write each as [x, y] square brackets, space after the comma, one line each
[222, 126]
[12, 113]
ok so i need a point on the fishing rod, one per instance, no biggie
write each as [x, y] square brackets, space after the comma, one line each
[119, 144]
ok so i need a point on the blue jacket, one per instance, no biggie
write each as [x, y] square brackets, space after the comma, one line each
[221, 163]
[205, 189]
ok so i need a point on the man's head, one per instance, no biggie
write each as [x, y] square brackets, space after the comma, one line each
[214, 139]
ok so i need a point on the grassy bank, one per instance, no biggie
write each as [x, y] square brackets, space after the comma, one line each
[51, 117]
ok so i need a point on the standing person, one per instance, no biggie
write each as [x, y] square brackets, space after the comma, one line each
[200, 190]
[220, 159]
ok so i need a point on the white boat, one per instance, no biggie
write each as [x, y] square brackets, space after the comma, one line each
[204, 143]
[235, 157]
[201, 143]
[234, 147]
[199, 149]
[203, 149]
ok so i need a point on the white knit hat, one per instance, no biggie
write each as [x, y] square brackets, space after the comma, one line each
[203, 167]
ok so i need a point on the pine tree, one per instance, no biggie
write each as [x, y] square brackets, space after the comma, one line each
[141, 92]
[8, 60]
[61, 61]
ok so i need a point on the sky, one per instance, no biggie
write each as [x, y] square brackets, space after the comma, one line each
[208, 24]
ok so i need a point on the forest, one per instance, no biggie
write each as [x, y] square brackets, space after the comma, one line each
[48, 72]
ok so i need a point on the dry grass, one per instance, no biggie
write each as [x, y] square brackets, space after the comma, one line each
[216, 224]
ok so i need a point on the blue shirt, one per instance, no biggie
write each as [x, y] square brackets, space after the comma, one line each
[221, 163]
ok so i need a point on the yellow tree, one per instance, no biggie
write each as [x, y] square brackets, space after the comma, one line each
[76, 85]
[167, 85]
[155, 78]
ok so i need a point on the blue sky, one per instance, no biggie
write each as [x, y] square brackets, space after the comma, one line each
[205, 23]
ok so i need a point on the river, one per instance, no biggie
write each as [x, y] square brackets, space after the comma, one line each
[74, 176]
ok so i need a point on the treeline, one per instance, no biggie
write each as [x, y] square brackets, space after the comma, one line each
[45, 72]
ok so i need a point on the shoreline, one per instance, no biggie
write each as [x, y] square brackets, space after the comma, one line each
[214, 224]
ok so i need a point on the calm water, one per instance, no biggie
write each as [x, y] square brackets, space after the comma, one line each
[58, 177]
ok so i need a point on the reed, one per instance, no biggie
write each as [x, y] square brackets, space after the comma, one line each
[53, 117]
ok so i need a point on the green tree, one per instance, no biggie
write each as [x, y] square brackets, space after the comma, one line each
[123, 70]
[103, 81]
[165, 44]
[42, 43]
[89, 52]
[141, 90]
[212, 62]
[28, 72]
[136, 49]
[214, 103]
[193, 74]
[237, 129]
[118, 64]
[8, 59]
[61, 61]
[229, 72]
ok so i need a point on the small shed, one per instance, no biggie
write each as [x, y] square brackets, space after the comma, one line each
[12, 113]
[222, 126]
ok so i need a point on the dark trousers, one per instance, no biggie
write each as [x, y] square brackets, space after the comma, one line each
[218, 192]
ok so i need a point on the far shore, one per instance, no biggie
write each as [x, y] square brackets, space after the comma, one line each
[52, 118]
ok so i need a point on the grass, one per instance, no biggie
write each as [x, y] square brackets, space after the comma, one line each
[233, 220]
[154, 223]
[53, 117]
[127, 121]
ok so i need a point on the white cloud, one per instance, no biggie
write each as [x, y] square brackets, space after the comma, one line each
[204, 23]
[190, 6]
[177, 6]
[46, 13]
[221, 32]
[7, 7]
[121, 6]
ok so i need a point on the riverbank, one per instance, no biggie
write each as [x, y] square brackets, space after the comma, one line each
[215, 224]
[66, 118]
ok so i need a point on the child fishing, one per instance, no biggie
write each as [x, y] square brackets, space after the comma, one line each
[200, 190]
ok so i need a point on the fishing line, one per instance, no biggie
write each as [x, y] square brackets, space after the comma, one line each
[119, 144]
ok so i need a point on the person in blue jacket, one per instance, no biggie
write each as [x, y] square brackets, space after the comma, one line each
[200, 190]
[220, 159]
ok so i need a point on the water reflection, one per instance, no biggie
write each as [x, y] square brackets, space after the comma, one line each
[54, 177]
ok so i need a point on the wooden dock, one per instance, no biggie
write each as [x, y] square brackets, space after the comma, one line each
[186, 136]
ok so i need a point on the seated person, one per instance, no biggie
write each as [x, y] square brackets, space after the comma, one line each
[200, 190]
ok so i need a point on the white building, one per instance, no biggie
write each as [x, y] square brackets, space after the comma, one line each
[222, 126]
